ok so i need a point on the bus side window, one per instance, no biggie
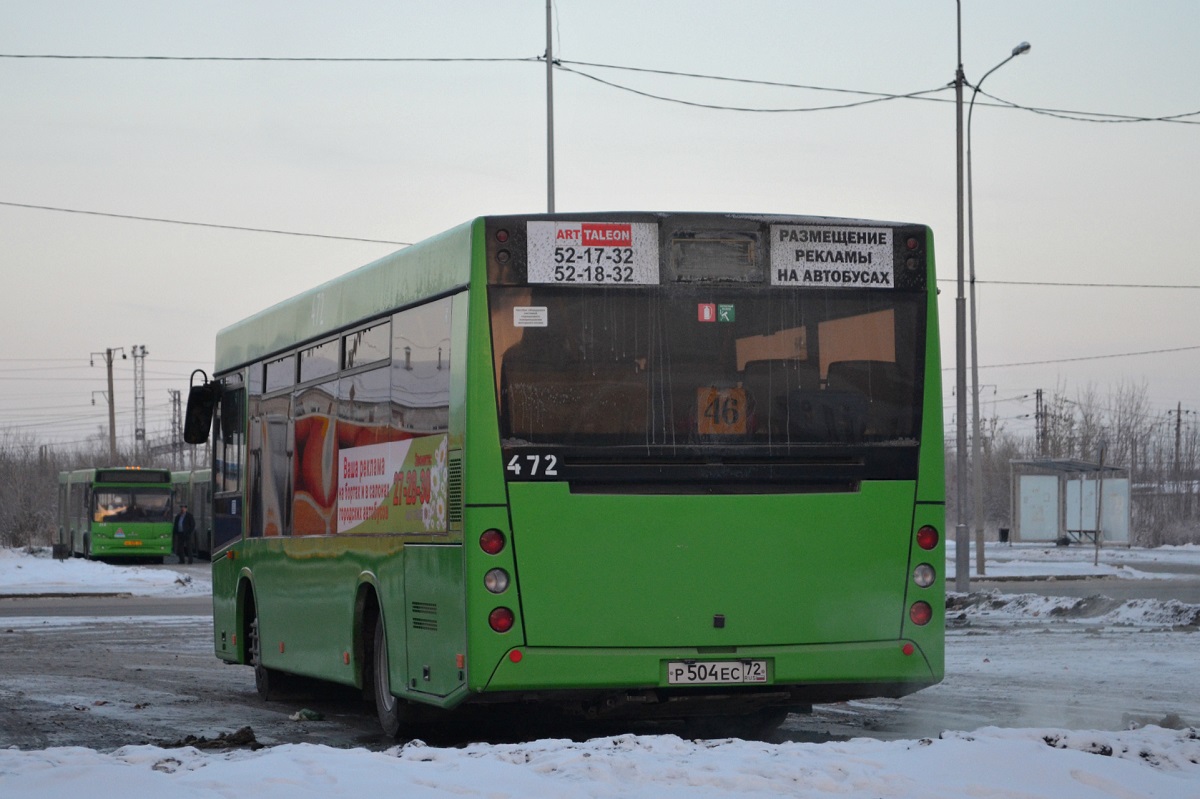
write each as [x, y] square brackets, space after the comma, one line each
[229, 445]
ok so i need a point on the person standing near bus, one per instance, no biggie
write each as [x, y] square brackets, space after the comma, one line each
[184, 530]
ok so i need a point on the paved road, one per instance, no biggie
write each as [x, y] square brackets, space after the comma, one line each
[103, 672]
[1182, 589]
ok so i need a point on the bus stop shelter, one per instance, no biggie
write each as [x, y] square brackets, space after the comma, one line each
[1059, 500]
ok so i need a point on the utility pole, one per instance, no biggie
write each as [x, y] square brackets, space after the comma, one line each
[1039, 420]
[1178, 432]
[549, 112]
[139, 398]
[176, 428]
[112, 406]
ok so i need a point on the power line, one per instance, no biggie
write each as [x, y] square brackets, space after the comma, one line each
[879, 98]
[315, 59]
[1083, 358]
[138, 218]
[750, 81]
[1064, 284]
[1091, 116]
[202, 224]
[1081, 116]
[1076, 116]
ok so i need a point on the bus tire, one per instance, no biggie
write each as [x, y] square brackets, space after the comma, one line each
[389, 708]
[267, 681]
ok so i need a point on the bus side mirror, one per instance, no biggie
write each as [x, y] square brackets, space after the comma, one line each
[198, 419]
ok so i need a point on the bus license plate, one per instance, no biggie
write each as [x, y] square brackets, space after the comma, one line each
[133, 543]
[718, 672]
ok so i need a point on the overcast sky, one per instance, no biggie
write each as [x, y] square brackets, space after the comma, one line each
[399, 151]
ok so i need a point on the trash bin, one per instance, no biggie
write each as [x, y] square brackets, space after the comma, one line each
[1003, 535]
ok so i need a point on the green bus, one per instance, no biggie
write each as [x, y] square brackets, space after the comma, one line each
[654, 465]
[193, 487]
[115, 512]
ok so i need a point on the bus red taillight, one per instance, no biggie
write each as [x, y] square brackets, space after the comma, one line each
[501, 620]
[927, 537]
[921, 613]
[492, 541]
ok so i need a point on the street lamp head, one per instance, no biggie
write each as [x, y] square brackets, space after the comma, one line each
[1022, 48]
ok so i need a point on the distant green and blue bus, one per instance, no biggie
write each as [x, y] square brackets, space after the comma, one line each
[115, 512]
[653, 465]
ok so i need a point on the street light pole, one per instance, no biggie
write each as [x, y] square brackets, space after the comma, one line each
[976, 459]
[961, 554]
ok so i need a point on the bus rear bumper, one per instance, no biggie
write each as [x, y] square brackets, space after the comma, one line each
[808, 673]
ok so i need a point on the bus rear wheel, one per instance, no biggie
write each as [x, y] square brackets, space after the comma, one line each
[268, 682]
[388, 707]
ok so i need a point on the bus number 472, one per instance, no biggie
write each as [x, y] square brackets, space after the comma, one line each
[533, 465]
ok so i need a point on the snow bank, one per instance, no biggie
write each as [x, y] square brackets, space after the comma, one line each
[1092, 610]
[1149, 762]
[24, 573]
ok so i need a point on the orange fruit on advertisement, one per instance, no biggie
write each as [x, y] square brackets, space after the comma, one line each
[308, 518]
[318, 457]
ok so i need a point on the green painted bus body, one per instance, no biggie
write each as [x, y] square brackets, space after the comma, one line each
[86, 530]
[606, 588]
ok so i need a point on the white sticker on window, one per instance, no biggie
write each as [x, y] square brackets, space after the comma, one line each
[593, 253]
[826, 256]
[530, 316]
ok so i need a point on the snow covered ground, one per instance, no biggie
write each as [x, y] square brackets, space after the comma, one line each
[1147, 761]
[24, 574]
[1019, 561]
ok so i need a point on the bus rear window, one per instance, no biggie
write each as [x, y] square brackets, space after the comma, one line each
[687, 366]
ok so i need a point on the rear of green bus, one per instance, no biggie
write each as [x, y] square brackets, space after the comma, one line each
[722, 484]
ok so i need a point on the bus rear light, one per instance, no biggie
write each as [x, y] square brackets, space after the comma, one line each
[920, 613]
[496, 581]
[927, 537]
[924, 575]
[515, 656]
[502, 235]
[501, 620]
[492, 541]
[907, 649]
